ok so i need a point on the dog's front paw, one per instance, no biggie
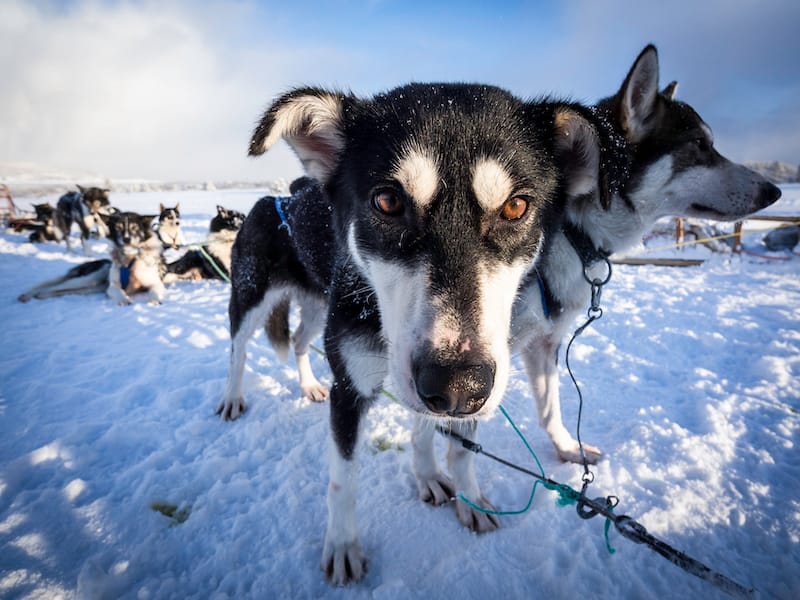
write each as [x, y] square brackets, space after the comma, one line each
[436, 489]
[231, 409]
[474, 519]
[572, 453]
[343, 563]
[314, 391]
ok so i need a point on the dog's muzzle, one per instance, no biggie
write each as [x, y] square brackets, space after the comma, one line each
[455, 390]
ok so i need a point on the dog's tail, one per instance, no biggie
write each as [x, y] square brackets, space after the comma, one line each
[277, 329]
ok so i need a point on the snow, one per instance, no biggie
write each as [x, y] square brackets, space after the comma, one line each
[690, 386]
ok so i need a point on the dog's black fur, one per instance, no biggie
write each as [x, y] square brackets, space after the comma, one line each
[217, 265]
[432, 205]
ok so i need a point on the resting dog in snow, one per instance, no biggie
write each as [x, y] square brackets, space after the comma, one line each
[83, 207]
[168, 227]
[136, 265]
[440, 197]
[44, 227]
[216, 261]
[650, 156]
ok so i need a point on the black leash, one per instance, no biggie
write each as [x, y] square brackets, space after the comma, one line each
[625, 525]
[586, 507]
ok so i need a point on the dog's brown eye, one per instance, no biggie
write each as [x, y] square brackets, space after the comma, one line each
[514, 208]
[388, 202]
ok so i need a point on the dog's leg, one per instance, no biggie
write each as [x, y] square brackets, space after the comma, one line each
[88, 278]
[312, 322]
[232, 404]
[433, 485]
[156, 292]
[117, 294]
[343, 560]
[85, 225]
[461, 463]
[542, 368]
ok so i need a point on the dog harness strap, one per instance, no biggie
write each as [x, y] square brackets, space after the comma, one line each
[279, 209]
[125, 275]
[550, 305]
[583, 245]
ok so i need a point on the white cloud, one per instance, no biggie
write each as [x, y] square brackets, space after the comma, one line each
[133, 91]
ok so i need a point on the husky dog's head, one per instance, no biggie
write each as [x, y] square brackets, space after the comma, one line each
[441, 195]
[673, 166]
[95, 199]
[226, 220]
[129, 231]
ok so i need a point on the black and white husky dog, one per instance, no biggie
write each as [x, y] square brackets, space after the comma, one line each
[136, 265]
[214, 262]
[432, 207]
[168, 227]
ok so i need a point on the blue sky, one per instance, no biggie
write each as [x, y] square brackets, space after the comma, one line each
[171, 89]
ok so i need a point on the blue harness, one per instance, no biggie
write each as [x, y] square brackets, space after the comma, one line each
[279, 200]
[125, 275]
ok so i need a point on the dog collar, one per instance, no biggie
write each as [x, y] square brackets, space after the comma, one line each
[583, 245]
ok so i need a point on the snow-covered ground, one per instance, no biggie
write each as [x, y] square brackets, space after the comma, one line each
[691, 389]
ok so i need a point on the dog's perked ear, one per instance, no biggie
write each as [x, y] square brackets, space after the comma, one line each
[577, 152]
[670, 91]
[637, 99]
[310, 120]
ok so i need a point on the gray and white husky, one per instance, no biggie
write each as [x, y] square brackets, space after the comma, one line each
[432, 204]
[654, 157]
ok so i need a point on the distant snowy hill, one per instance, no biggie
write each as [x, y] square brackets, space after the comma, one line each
[26, 179]
[777, 172]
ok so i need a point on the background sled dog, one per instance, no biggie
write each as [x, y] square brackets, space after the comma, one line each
[221, 235]
[82, 207]
[135, 265]
[435, 221]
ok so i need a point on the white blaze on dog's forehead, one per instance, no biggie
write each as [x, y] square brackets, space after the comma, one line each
[418, 173]
[491, 183]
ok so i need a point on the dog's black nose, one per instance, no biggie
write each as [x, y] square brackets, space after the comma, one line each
[454, 390]
[768, 194]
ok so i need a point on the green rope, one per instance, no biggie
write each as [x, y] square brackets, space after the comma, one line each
[566, 495]
[213, 263]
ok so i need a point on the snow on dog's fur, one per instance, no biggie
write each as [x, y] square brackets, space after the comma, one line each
[433, 205]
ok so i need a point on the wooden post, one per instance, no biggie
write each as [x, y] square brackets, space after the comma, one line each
[679, 230]
[737, 238]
